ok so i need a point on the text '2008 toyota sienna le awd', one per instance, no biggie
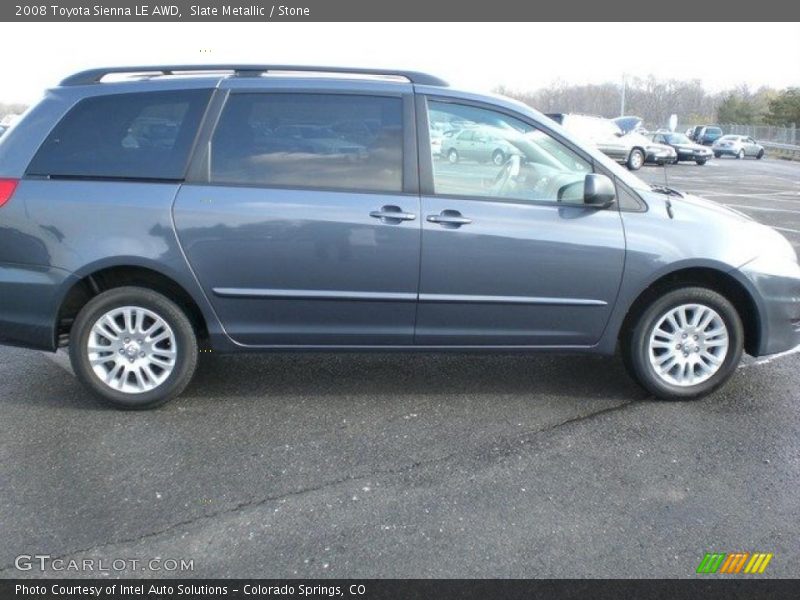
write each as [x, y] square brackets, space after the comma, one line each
[149, 212]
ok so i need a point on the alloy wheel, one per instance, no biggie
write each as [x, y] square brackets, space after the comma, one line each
[688, 345]
[132, 349]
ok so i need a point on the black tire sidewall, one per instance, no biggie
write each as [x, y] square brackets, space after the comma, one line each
[186, 360]
[631, 166]
[638, 346]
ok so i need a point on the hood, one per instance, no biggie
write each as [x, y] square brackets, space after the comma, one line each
[714, 209]
[701, 221]
[691, 146]
[628, 124]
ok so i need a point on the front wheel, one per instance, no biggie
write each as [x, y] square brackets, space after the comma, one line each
[635, 159]
[760, 154]
[452, 156]
[717, 155]
[685, 344]
[701, 161]
[740, 154]
[133, 347]
[499, 158]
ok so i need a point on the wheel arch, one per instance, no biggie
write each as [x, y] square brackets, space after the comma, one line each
[723, 282]
[105, 275]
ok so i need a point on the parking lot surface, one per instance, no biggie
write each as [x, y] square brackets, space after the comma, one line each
[393, 465]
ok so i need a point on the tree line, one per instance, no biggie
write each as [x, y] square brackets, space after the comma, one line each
[652, 99]
[655, 100]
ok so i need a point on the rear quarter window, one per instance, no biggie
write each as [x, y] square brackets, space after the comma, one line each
[145, 135]
[322, 141]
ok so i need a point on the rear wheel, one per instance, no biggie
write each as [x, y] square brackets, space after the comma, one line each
[635, 159]
[685, 344]
[717, 154]
[498, 158]
[133, 347]
[701, 161]
[740, 154]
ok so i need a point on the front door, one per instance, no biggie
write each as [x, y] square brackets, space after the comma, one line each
[510, 255]
[303, 235]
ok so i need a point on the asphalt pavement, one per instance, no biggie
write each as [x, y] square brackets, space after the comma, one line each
[392, 465]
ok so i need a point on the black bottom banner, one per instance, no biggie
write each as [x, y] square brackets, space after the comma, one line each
[228, 589]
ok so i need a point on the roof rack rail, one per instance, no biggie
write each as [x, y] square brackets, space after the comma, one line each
[96, 75]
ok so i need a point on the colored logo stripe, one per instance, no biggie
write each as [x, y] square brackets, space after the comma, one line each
[711, 563]
[721, 562]
[758, 563]
[734, 562]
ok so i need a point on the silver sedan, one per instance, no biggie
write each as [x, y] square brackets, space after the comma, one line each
[739, 146]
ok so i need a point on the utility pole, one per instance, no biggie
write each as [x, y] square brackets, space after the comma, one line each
[622, 102]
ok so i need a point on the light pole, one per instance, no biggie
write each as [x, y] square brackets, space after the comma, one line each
[622, 101]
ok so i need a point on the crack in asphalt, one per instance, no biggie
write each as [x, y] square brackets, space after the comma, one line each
[255, 503]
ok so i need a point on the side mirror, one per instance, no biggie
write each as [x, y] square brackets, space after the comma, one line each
[598, 191]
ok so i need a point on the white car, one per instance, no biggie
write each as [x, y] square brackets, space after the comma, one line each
[739, 146]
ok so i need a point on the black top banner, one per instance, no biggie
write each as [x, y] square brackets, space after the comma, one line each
[401, 10]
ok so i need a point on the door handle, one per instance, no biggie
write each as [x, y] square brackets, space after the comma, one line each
[392, 214]
[449, 218]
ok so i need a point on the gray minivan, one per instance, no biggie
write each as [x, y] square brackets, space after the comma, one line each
[147, 213]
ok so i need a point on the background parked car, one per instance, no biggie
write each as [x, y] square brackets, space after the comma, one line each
[685, 148]
[477, 143]
[738, 146]
[655, 153]
[708, 135]
[694, 132]
[607, 136]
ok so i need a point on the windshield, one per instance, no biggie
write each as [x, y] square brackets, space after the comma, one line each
[713, 130]
[677, 138]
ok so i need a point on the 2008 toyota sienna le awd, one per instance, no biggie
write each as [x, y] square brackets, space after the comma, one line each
[146, 213]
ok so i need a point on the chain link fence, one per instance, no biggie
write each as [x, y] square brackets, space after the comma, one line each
[765, 133]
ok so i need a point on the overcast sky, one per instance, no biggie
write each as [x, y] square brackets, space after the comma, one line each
[522, 56]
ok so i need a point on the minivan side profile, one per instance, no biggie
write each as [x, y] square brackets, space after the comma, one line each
[251, 208]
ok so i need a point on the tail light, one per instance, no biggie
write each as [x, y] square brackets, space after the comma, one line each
[7, 189]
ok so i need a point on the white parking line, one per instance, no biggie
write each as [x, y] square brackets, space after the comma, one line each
[785, 229]
[769, 359]
[764, 209]
[768, 195]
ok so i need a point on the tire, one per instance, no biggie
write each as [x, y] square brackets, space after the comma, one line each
[452, 156]
[760, 155]
[717, 155]
[498, 158]
[635, 160]
[740, 155]
[701, 162]
[163, 368]
[676, 383]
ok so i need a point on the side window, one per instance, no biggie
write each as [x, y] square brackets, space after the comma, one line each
[326, 141]
[507, 159]
[132, 136]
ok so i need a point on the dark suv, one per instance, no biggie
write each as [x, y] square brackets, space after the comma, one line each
[262, 208]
